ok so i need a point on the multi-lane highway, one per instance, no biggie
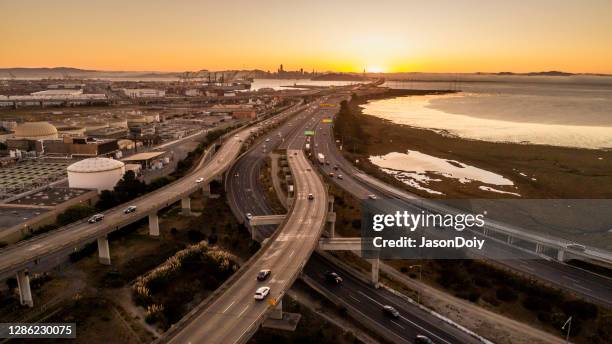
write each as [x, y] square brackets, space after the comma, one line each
[369, 302]
[591, 286]
[364, 298]
[243, 177]
[32, 253]
[236, 315]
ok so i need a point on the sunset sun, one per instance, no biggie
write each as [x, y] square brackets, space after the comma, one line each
[375, 69]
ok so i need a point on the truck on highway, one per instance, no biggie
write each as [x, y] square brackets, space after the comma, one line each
[321, 158]
[308, 146]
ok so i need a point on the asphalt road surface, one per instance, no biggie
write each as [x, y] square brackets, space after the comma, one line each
[364, 298]
[32, 252]
[235, 315]
[369, 301]
[592, 287]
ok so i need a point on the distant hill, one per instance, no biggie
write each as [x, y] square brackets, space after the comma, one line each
[60, 72]
[339, 77]
[549, 73]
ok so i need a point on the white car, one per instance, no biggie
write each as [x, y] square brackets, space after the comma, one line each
[96, 218]
[129, 209]
[199, 180]
[261, 293]
[372, 196]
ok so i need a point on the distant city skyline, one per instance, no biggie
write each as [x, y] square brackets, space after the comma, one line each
[345, 36]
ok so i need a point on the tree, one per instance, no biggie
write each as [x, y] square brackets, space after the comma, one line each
[107, 200]
[128, 188]
[74, 213]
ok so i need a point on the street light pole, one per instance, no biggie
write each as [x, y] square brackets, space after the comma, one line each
[568, 323]
[420, 280]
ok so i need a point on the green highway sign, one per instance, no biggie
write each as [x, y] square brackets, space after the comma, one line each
[309, 133]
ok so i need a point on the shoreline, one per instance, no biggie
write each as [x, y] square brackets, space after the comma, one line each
[537, 171]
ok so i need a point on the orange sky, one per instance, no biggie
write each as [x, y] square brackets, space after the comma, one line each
[384, 35]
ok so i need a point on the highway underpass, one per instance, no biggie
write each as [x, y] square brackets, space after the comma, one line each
[246, 195]
[234, 315]
[593, 287]
[45, 251]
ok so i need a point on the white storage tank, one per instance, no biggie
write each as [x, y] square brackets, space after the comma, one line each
[95, 173]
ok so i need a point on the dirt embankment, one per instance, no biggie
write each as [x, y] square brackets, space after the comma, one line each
[538, 171]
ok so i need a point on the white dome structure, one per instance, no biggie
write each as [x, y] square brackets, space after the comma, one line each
[36, 131]
[95, 173]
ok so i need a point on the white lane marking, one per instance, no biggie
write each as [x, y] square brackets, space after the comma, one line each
[291, 254]
[571, 279]
[228, 307]
[354, 298]
[244, 310]
[402, 327]
[581, 287]
[407, 320]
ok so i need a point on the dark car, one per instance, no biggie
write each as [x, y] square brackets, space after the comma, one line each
[333, 277]
[389, 310]
[421, 339]
[263, 274]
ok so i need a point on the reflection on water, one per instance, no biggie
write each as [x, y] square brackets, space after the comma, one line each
[584, 122]
[418, 170]
[279, 84]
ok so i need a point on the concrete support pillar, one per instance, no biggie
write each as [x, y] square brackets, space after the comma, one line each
[561, 255]
[219, 178]
[510, 240]
[539, 248]
[25, 293]
[331, 204]
[104, 251]
[185, 207]
[206, 189]
[332, 229]
[277, 312]
[375, 271]
[154, 224]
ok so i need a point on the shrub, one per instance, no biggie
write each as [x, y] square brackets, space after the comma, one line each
[535, 303]
[506, 294]
[74, 213]
[580, 309]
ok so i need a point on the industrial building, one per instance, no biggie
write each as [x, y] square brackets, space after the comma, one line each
[78, 146]
[149, 160]
[71, 131]
[108, 133]
[36, 131]
[95, 173]
[144, 93]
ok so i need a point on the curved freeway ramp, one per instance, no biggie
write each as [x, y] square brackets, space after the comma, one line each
[234, 316]
[41, 249]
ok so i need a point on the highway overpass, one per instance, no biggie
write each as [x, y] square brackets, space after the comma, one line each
[43, 250]
[593, 287]
[234, 316]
